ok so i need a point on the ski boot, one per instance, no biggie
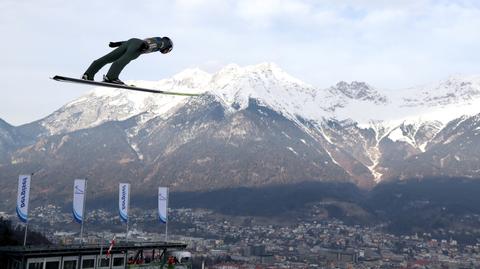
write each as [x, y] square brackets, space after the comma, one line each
[113, 81]
[87, 77]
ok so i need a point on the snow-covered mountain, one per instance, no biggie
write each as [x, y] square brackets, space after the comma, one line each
[267, 83]
[256, 125]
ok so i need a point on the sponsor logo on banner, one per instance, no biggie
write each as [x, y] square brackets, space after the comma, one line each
[162, 204]
[23, 197]
[123, 201]
[78, 199]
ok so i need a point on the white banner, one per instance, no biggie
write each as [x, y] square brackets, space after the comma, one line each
[162, 204]
[78, 199]
[123, 200]
[23, 197]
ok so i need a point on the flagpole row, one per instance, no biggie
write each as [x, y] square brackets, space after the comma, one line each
[79, 200]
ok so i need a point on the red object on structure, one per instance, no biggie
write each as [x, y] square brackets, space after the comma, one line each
[111, 246]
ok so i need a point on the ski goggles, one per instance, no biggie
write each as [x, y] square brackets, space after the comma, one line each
[166, 50]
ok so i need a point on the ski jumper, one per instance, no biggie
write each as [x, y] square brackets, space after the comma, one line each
[125, 52]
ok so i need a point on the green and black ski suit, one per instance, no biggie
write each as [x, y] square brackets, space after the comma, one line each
[125, 52]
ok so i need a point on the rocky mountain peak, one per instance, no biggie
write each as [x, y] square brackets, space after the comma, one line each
[359, 91]
[455, 89]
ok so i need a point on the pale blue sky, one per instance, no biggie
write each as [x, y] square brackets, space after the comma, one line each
[389, 44]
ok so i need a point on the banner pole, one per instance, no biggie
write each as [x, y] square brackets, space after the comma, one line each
[166, 224]
[126, 235]
[26, 223]
[84, 216]
[128, 211]
[124, 205]
[25, 237]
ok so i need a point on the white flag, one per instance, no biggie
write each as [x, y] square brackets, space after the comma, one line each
[162, 204]
[23, 197]
[123, 201]
[78, 199]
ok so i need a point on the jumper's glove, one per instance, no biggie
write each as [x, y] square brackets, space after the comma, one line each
[115, 44]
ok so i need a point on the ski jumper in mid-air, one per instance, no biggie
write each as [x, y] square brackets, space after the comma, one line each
[125, 52]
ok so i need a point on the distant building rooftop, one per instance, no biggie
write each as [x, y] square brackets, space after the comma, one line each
[85, 256]
[53, 250]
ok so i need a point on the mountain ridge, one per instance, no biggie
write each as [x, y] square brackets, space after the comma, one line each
[253, 126]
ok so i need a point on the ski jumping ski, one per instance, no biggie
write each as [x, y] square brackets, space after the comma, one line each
[120, 86]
